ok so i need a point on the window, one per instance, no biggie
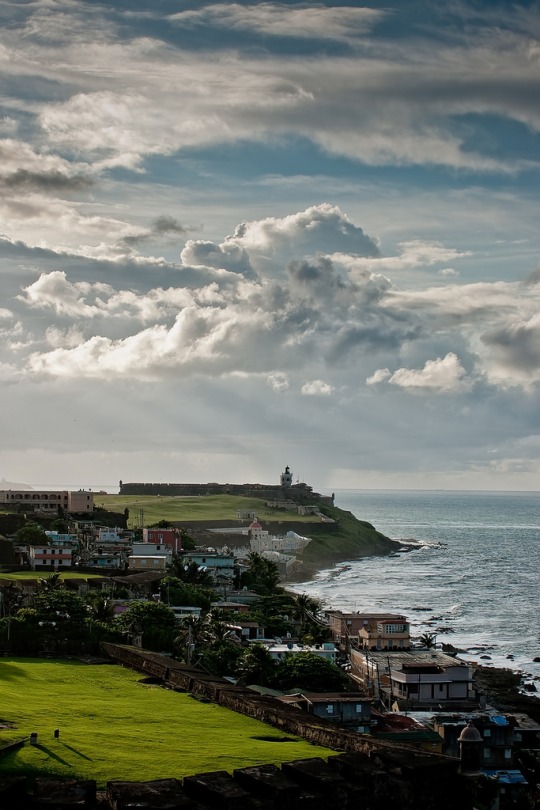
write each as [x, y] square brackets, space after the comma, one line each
[392, 628]
[358, 708]
[330, 708]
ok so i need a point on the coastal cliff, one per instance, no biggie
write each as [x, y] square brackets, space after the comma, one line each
[346, 539]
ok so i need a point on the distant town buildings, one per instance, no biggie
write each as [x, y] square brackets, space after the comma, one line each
[46, 500]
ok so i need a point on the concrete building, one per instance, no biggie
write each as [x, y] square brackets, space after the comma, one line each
[414, 679]
[165, 537]
[220, 566]
[49, 557]
[371, 631]
[45, 500]
[279, 651]
[348, 708]
[147, 562]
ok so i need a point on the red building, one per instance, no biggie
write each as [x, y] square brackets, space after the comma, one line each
[167, 537]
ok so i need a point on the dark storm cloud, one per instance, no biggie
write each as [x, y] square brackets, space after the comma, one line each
[164, 225]
[516, 345]
[26, 180]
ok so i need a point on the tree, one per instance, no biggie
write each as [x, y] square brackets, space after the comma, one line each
[221, 658]
[60, 525]
[101, 607]
[191, 637]
[31, 534]
[262, 575]
[52, 582]
[190, 572]
[256, 665]
[176, 592]
[428, 640]
[154, 621]
[310, 672]
[306, 608]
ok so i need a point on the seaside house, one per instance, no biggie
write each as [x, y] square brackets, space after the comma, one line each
[371, 631]
[414, 679]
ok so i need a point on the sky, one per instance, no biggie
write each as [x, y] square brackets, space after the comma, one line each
[236, 236]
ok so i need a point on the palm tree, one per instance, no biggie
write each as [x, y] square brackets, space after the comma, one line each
[256, 665]
[53, 582]
[306, 608]
[192, 634]
[428, 640]
[191, 573]
[101, 607]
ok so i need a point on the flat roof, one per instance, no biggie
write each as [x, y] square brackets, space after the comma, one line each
[409, 658]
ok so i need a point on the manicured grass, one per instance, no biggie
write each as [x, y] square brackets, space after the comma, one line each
[44, 574]
[114, 727]
[193, 508]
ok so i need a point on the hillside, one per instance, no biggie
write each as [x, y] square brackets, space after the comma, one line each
[346, 538]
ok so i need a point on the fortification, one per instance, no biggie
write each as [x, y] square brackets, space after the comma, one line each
[299, 493]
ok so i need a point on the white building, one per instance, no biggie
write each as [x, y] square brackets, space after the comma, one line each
[279, 651]
[49, 557]
[261, 540]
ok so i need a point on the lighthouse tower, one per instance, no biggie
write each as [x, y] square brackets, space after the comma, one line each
[286, 478]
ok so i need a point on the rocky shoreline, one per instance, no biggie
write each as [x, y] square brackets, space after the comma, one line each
[502, 690]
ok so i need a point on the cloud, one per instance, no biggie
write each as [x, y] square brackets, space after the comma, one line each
[443, 375]
[278, 19]
[317, 388]
[513, 357]
[278, 382]
[226, 256]
[23, 179]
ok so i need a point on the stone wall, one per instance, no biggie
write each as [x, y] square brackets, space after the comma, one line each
[288, 719]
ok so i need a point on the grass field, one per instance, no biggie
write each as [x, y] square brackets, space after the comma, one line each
[112, 726]
[192, 508]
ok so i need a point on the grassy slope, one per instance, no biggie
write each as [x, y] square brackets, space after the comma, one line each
[113, 727]
[354, 538]
[191, 508]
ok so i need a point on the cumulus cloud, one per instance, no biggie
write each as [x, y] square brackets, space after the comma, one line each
[443, 375]
[317, 388]
[219, 316]
[227, 256]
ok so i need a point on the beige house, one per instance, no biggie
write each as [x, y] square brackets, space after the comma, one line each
[147, 562]
[46, 500]
[372, 631]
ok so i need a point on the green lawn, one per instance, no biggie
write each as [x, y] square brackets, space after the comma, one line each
[44, 574]
[114, 727]
[192, 508]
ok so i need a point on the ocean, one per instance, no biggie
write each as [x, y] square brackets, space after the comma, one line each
[473, 577]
